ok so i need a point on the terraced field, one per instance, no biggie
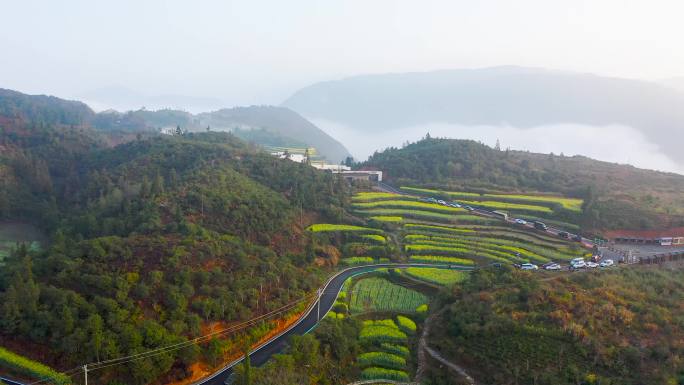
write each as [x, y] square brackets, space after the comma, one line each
[434, 233]
[550, 201]
[386, 345]
[460, 217]
[482, 243]
[329, 227]
[558, 211]
[442, 277]
[378, 294]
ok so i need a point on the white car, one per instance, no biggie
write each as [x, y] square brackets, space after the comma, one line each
[553, 266]
[578, 263]
[521, 221]
[607, 263]
[441, 202]
[529, 266]
[592, 264]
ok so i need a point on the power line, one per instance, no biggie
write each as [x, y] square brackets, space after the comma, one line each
[181, 345]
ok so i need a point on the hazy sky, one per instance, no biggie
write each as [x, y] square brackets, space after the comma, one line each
[259, 52]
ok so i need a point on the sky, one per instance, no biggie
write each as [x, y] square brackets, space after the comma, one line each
[260, 52]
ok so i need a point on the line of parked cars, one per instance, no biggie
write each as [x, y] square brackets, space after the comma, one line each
[575, 264]
[445, 203]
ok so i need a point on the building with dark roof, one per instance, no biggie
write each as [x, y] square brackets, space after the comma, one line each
[667, 237]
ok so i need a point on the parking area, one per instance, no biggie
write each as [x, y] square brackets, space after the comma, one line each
[620, 251]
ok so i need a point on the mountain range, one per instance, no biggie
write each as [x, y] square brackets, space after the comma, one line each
[520, 97]
[262, 125]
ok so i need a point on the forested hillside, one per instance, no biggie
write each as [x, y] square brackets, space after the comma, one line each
[622, 326]
[154, 241]
[616, 196]
[263, 125]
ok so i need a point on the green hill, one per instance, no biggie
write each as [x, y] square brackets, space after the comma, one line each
[620, 326]
[615, 196]
[153, 241]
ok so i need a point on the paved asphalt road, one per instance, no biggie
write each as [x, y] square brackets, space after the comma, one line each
[309, 321]
[10, 382]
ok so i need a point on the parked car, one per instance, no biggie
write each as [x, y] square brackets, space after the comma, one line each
[592, 264]
[441, 202]
[563, 234]
[607, 263]
[469, 208]
[577, 238]
[433, 200]
[578, 263]
[455, 205]
[529, 266]
[553, 266]
[520, 221]
[540, 226]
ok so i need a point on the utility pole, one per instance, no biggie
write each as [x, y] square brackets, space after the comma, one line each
[85, 373]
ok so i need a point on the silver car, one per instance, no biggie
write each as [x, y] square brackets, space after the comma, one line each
[607, 263]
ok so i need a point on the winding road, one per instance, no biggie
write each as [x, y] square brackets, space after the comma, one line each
[309, 320]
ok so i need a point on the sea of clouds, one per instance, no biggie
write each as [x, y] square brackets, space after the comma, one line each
[611, 143]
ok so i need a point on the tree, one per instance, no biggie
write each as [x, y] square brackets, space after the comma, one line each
[158, 185]
[349, 161]
[11, 312]
[179, 131]
[94, 326]
[145, 187]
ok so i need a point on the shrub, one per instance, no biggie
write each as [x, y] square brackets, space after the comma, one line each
[381, 333]
[375, 238]
[406, 324]
[387, 219]
[340, 307]
[381, 322]
[357, 261]
[374, 373]
[398, 350]
[385, 360]
[422, 308]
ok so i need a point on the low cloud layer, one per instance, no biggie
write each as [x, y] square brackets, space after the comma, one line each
[611, 143]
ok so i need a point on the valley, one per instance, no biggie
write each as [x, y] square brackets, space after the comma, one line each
[134, 255]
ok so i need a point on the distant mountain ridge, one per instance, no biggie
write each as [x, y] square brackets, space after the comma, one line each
[263, 125]
[517, 96]
[124, 99]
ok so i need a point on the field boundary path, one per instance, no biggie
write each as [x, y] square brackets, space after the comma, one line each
[458, 369]
[424, 350]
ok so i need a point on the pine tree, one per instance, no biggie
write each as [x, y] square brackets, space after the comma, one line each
[158, 185]
[145, 187]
